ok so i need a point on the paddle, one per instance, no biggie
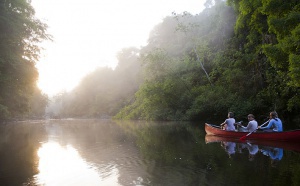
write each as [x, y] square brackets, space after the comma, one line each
[244, 137]
[215, 125]
[238, 123]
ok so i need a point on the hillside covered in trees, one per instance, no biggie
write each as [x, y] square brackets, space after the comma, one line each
[241, 56]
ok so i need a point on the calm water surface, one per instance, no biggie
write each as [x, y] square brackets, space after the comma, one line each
[104, 152]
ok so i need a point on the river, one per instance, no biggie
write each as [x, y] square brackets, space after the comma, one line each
[120, 153]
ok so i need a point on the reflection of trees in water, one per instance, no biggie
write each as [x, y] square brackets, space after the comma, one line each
[19, 143]
[147, 153]
[150, 153]
[181, 157]
[175, 149]
[104, 145]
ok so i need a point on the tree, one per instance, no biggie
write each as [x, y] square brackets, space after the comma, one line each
[177, 63]
[20, 33]
[284, 54]
[268, 31]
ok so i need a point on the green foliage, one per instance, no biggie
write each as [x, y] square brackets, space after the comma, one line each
[170, 91]
[294, 70]
[20, 33]
[270, 37]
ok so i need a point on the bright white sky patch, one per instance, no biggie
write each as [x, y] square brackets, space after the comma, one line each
[88, 34]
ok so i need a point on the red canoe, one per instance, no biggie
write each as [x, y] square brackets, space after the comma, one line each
[293, 135]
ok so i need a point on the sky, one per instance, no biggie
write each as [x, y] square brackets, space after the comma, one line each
[89, 33]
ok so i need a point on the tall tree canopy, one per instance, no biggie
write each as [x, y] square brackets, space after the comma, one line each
[20, 33]
[268, 30]
[177, 62]
[251, 69]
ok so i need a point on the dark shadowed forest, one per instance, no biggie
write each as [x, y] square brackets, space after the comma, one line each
[236, 55]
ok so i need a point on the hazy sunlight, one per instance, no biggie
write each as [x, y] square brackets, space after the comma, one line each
[88, 34]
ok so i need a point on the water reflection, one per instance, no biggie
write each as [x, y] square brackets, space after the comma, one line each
[232, 145]
[275, 154]
[60, 165]
[89, 152]
[102, 152]
[253, 149]
[229, 147]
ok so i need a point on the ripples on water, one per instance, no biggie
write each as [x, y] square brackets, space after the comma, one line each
[104, 152]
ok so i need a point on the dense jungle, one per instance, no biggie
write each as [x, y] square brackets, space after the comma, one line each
[236, 55]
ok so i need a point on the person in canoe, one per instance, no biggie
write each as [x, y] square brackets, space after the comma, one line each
[228, 124]
[252, 125]
[275, 124]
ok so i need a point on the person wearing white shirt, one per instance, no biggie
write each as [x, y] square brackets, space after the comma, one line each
[252, 125]
[228, 124]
